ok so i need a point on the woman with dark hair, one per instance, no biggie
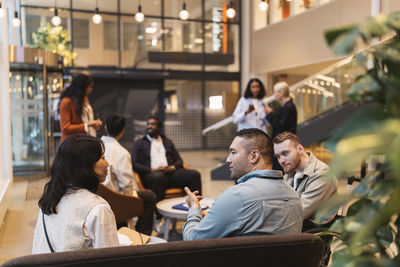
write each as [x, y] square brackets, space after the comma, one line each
[76, 113]
[249, 112]
[72, 216]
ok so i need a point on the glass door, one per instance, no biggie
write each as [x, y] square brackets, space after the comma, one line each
[27, 121]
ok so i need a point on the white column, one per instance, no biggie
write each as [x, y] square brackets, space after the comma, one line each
[13, 32]
[375, 7]
[5, 119]
[247, 31]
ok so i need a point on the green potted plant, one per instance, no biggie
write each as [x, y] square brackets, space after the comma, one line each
[370, 231]
[55, 39]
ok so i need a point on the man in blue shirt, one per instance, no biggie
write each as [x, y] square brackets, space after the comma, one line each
[260, 203]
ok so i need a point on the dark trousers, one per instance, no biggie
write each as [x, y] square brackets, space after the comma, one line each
[145, 222]
[159, 181]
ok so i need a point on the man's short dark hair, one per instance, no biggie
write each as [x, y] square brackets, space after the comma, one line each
[115, 124]
[159, 122]
[258, 140]
[286, 136]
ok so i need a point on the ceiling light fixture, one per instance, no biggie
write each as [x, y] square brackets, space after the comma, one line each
[139, 16]
[263, 5]
[97, 18]
[55, 20]
[184, 14]
[16, 22]
[2, 11]
[230, 12]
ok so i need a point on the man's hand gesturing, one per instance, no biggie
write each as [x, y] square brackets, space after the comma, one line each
[192, 198]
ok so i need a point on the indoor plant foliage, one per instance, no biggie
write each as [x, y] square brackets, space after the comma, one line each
[370, 231]
[55, 39]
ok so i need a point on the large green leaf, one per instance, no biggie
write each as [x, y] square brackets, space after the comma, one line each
[346, 43]
[394, 158]
[393, 21]
[333, 34]
[374, 27]
[381, 217]
[354, 149]
[358, 205]
[366, 118]
[331, 207]
[385, 235]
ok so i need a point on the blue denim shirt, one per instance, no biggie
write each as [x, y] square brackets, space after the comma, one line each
[260, 203]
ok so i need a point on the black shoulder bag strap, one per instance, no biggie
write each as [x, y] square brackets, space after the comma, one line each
[45, 232]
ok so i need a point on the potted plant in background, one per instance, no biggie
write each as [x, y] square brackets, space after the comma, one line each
[55, 39]
[370, 231]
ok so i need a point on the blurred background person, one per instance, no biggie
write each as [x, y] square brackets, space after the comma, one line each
[120, 176]
[249, 111]
[76, 113]
[286, 118]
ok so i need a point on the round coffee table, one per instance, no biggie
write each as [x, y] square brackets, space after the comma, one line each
[164, 207]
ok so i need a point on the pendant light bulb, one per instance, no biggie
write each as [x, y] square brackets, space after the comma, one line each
[2, 11]
[56, 20]
[184, 14]
[97, 18]
[263, 5]
[139, 16]
[16, 22]
[230, 12]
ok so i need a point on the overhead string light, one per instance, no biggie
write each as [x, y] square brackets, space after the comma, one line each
[184, 14]
[139, 16]
[97, 18]
[56, 20]
[263, 5]
[230, 12]
[2, 10]
[16, 22]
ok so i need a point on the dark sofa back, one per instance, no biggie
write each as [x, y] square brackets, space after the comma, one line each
[279, 250]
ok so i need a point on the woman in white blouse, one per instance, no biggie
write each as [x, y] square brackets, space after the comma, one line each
[249, 112]
[72, 215]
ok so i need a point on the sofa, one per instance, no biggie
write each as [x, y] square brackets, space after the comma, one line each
[278, 251]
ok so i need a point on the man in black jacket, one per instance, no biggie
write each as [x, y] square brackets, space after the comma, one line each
[159, 164]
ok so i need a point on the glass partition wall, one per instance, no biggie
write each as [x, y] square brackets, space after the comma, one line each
[325, 90]
[208, 39]
[197, 59]
[35, 84]
[27, 110]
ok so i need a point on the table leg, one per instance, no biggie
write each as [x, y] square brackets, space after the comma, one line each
[167, 223]
[174, 225]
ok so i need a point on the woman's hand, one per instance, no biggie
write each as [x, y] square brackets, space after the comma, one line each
[95, 124]
[267, 109]
[250, 109]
